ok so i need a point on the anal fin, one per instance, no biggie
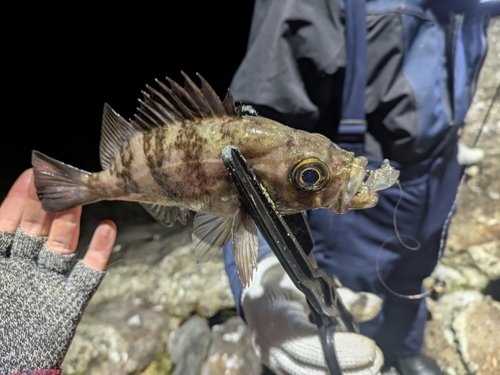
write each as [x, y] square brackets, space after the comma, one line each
[166, 215]
[245, 246]
[210, 234]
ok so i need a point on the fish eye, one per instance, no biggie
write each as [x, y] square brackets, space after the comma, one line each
[310, 174]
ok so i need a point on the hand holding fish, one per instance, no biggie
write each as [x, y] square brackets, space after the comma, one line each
[43, 291]
[288, 343]
[168, 159]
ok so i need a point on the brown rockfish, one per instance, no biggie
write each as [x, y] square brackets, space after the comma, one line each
[168, 158]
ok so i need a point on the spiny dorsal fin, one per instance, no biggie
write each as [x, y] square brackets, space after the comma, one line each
[182, 101]
[197, 96]
[185, 98]
[230, 106]
[211, 97]
[174, 104]
[115, 132]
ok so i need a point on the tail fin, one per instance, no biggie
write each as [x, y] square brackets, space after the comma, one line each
[59, 186]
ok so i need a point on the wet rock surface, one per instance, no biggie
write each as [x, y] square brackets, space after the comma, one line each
[158, 312]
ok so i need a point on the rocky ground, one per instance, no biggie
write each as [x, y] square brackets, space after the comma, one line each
[463, 334]
[158, 312]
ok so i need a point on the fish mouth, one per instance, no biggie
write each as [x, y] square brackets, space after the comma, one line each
[357, 196]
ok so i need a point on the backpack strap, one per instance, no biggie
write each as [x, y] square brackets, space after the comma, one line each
[352, 129]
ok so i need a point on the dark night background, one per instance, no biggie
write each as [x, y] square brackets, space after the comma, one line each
[59, 67]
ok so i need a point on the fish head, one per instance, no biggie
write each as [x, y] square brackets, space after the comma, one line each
[306, 171]
[334, 176]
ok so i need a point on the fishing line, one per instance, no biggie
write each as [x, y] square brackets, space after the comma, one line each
[394, 221]
[444, 231]
[399, 237]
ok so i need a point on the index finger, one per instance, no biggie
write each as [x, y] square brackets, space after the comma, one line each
[12, 208]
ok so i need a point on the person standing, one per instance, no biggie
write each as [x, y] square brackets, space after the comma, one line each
[400, 91]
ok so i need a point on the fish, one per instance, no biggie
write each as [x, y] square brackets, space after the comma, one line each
[168, 158]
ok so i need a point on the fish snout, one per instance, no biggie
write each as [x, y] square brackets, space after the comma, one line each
[355, 181]
[357, 195]
[362, 194]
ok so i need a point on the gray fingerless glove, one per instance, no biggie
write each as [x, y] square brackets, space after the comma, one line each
[42, 299]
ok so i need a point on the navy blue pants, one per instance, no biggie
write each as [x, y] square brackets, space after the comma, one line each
[350, 246]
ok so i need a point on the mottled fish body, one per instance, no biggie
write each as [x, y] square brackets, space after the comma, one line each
[168, 158]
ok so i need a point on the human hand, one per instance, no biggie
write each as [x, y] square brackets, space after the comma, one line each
[43, 292]
[288, 343]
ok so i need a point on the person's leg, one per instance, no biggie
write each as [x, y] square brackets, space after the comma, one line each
[442, 184]
[349, 246]
[362, 248]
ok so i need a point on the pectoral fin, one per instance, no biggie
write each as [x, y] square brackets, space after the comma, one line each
[245, 246]
[166, 215]
[210, 233]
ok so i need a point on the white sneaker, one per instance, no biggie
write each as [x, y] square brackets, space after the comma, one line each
[467, 155]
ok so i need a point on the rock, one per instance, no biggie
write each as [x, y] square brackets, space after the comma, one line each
[477, 332]
[446, 308]
[487, 258]
[440, 341]
[188, 346]
[185, 287]
[440, 345]
[458, 278]
[162, 366]
[149, 243]
[117, 338]
[232, 352]
[177, 283]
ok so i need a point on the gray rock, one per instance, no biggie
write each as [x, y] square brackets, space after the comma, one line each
[477, 332]
[188, 346]
[448, 306]
[117, 338]
[232, 352]
[177, 283]
[487, 258]
[149, 243]
[440, 339]
[440, 345]
[459, 278]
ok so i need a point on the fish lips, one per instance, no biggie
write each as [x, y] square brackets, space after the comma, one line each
[357, 196]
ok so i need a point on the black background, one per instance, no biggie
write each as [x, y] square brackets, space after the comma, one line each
[60, 65]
